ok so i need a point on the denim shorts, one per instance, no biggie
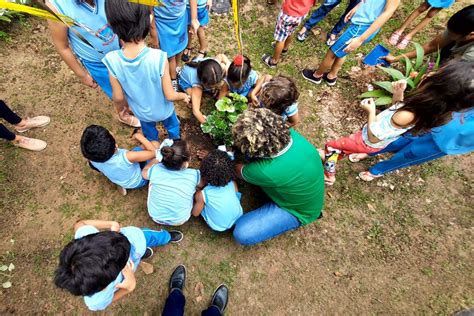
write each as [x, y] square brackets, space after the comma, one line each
[353, 31]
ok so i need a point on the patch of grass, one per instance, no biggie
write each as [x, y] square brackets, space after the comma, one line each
[428, 271]
[68, 210]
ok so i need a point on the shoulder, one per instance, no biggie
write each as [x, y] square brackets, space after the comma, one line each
[403, 118]
[85, 231]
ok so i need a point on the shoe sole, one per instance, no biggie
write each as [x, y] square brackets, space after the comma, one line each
[177, 241]
[331, 83]
[26, 130]
[311, 80]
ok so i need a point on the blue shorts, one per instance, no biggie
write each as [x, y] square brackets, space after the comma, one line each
[203, 16]
[353, 31]
[100, 74]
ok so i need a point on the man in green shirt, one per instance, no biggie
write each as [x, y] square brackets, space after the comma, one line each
[288, 169]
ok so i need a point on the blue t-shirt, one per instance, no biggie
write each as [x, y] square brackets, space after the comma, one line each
[200, 3]
[95, 29]
[171, 194]
[222, 206]
[248, 85]
[120, 170]
[188, 77]
[368, 12]
[457, 136]
[100, 300]
[290, 111]
[140, 79]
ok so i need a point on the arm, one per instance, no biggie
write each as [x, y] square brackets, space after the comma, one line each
[155, 42]
[167, 87]
[256, 90]
[403, 119]
[368, 105]
[139, 156]
[236, 187]
[196, 96]
[293, 120]
[99, 224]
[436, 43]
[128, 284]
[147, 167]
[224, 91]
[224, 61]
[390, 8]
[198, 203]
[117, 94]
[238, 170]
[194, 20]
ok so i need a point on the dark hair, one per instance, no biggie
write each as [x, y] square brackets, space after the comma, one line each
[175, 156]
[239, 73]
[450, 89]
[209, 72]
[217, 169]
[279, 93]
[97, 144]
[462, 22]
[89, 264]
[130, 21]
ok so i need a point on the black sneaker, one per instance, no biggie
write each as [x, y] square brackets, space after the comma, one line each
[176, 236]
[308, 74]
[148, 253]
[330, 82]
[220, 298]
[283, 52]
[267, 60]
[178, 278]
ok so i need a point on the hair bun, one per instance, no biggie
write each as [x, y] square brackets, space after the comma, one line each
[167, 152]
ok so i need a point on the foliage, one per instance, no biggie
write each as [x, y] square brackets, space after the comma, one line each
[219, 123]
[413, 75]
[7, 17]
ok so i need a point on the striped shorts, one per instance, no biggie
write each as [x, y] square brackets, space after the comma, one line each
[286, 25]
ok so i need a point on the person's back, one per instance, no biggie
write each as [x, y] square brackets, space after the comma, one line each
[368, 11]
[222, 206]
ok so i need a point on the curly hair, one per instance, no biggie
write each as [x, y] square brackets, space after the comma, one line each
[217, 169]
[279, 93]
[260, 133]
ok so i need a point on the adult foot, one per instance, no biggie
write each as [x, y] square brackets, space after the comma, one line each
[176, 236]
[32, 144]
[220, 298]
[268, 61]
[178, 278]
[357, 157]
[29, 123]
[129, 119]
[148, 253]
[284, 52]
[368, 176]
[308, 74]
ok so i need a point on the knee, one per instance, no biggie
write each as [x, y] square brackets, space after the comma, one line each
[423, 7]
[432, 13]
[242, 234]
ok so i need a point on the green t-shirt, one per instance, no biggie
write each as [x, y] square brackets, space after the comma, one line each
[294, 180]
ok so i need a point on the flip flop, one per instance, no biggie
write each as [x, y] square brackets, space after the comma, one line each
[267, 60]
[130, 120]
[404, 43]
[394, 38]
[357, 157]
[367, 176]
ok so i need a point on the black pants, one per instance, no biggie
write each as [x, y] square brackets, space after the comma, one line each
[10, 117]
[175, 302]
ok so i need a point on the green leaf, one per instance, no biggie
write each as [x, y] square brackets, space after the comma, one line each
[420, 54]
[233, 117]
[408, 66]
[11, 267]
[373, 94]
[438, 59]
[225, 105]
[410, 83]
[383, 101]
[7, 285]
[396, 74]
[5, 19]
[206, 128]
[386, 85]
[3, 268]
[421, 73]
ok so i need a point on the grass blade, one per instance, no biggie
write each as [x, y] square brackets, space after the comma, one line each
[408, 66]
[420, 75]
[383, 101]
[396, 74]
[374, 94]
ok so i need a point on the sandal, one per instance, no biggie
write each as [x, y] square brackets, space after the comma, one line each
[331, 39]
[329, 179]
[268, 61]
[187, 55]
[203, 53]
[394, 38]
[129, 120]
[357, 157]
[302, 36]
[367, 176]
[404, 43]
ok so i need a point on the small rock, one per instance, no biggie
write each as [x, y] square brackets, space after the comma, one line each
[338, 274]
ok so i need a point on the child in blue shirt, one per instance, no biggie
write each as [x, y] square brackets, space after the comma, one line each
[139, 75]
[203, 7]
[366, 20]
[100, 262]
[217, 198]
[242, 79]
[120, 166]
[172, 183]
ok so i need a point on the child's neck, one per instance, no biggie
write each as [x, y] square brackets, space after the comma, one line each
[132, 50]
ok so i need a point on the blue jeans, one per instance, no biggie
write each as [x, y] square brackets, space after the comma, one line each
[263, 223]
[409, 151]
[100, 74]
[175, 302]
[155, 238]
[324, 9]
[171, 125]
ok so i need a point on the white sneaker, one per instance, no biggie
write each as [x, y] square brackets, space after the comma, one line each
[32, 144]
[37, 121]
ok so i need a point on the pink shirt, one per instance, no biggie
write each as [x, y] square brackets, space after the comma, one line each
[297, 8]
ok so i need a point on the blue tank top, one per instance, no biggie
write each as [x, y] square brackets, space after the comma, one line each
[95, 29]
[120, 171]
[171, 9]
[247, 86]
[140, 79]
[368, 12]
[222, 206]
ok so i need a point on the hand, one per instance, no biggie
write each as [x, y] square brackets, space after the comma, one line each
[88, 81]
[389, 58]
[202, 154]
[399, 86]
[350, 14]
[368, 105]
[138, 136]
[195, 25]
[254, 99]
[186, 98]
[353, 45]
[129, 282]
[209, 4]
[115, 227]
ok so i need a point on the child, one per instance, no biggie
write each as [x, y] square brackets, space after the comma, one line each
[433, 7]
[170, 30]
[203, 75]
[367, 18]
[320, 13]
[172, 184]
[203, 7]
[100, 265]
[291, 14]
[139, 75]
[120, 166]
[242, 79]
[280, 95]
[217, 198]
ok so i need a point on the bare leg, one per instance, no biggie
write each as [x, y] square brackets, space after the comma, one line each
[203, 44]
[336, 66]
[279, 46]
[190, 38]
[422, 8]
[426, 20]
[173, 64]
[288, 41]
[326, 64]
